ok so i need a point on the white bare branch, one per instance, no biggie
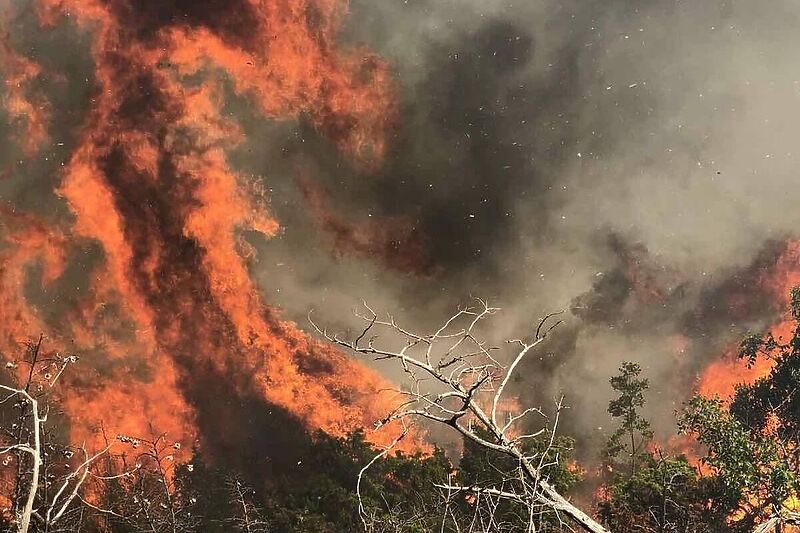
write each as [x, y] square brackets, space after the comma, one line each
[35, 452]
[453, 357]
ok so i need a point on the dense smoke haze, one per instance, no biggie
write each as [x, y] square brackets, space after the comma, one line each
[629, 161]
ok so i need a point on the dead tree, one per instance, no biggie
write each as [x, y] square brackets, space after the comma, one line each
[32, 449]
[49, 476]
[456, 380]
[247, 517]
[148, 495]
[131, 483]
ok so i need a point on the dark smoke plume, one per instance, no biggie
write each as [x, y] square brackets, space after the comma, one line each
[632, 162]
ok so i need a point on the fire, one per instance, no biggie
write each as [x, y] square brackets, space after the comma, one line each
[395, 241]
[173, 333]
[24, 107]
[721, 377]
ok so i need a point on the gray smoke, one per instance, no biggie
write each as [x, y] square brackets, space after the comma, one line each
[548, 149]
[631, 161]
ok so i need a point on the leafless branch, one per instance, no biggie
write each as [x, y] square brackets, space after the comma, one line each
[455, 359]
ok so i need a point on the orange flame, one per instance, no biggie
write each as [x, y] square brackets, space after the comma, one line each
[172, 330]
[25, 109]
[721, 377]
[395, 241]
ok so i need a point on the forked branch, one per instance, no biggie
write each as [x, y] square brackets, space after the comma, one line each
[455, 379]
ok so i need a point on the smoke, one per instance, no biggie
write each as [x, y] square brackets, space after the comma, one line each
[631, 162]
[143, 269]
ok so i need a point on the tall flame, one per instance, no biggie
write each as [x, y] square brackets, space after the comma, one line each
[173, 331]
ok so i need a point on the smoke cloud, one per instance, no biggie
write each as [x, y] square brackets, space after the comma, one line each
[630, 161]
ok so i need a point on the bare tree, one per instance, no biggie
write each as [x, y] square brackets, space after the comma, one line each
[247, 518]
[456, 380]
[148, 497]
[32, 449]
[132, 483]
[49, 476]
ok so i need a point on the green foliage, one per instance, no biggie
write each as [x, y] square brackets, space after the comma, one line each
[399, 491]
[750, 348]
[773, 400]
[483, 467]
[487, 468]
[634, 431]
[663, 495]
[655, 493]
[795, 302]
[748, 465]
[753, 441]
[319, 495]
[316, 495]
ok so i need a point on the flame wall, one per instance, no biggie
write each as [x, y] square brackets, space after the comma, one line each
[174, 333]
[179, 171]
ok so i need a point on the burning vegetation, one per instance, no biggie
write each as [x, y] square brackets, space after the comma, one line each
[169, 312]
[181, 181]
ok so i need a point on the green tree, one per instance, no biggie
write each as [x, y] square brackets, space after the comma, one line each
[750, 478]
[633, 433]
[482, 467]
[656, 493]
[318, 495]
[664, 495]
[753, 441]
